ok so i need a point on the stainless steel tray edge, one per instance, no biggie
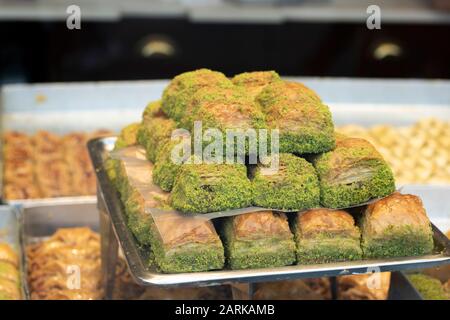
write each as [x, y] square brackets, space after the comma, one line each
[23, 253]
[11, 233]
[29, 203]
[98, 149]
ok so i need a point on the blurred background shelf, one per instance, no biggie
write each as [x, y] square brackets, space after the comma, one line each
[231, 11]
[159, 39]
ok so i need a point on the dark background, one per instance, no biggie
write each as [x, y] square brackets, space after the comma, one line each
[49, 52]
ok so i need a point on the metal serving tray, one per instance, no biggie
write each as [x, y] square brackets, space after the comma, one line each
[40, 221]
[10, 228]
[115, 232]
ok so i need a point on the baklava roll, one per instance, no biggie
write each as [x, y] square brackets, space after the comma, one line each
[258, 240]
[17, 147]
[396, 226]
[51, 170]
[291, 185]
[324, 236]
[353, 173]
[304, 122]
[357, 286]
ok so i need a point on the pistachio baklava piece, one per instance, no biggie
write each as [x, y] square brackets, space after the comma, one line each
[255, 82]
[127, 136]
[177, 244]
[353, 173]
[168, 162]
[179, 92]
[304, 122]
[290, 184]
[202, 188]
[258, 240]
[396, 226]
[227, 115]
[324, 236]
[155, 130]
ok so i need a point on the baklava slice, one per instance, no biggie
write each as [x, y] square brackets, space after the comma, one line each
[324, 236]
[168, 162]
[258, 240]
[77, 159]
[202, 188]
[304, 122]
[290, 184]
[177, 244]
[228, 116]
[353, 173]
[51, 170]
[127, 136]
[396, 226]
[255, 82]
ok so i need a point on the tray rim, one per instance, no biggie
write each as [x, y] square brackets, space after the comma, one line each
[108, 196]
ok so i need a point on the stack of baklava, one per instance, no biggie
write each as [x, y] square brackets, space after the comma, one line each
[47, 165]
[9, 274]
[318, 175]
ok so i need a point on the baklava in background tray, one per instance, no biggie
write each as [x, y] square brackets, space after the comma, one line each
[377, 286]
[45, 165]
[12, 271]
[44, 131]
[59, 236]
[55, 237]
